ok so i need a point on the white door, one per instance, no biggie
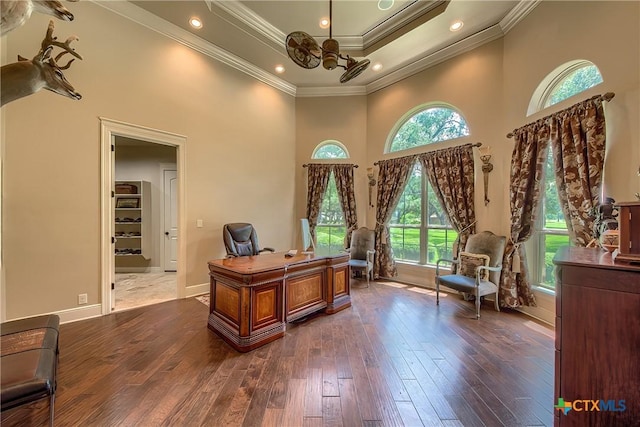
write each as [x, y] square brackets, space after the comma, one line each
[170, 256]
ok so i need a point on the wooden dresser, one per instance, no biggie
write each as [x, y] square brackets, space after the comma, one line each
[597, 339]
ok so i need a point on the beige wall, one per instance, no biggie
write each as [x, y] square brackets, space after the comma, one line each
[239, 134]
[605, 33]
[343, 119]
[233, 124]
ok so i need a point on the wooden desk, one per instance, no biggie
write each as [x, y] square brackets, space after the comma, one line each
[597, 338]
[252, 298]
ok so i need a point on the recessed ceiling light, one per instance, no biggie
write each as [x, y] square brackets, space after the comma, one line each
[385, 4]
[456, 25]
[376, 67]
[324, 23]
[279, 69]
[195, 22]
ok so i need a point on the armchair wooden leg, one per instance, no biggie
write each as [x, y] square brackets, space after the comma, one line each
[497, 303]
[437, 292]
[477, 305]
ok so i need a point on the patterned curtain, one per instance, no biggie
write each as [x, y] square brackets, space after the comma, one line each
[527, 167]
[451, 175]
[317, 182]
[578, 142]
[346, 194]
[392, 178]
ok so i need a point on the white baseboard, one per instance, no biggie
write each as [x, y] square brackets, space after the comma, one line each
[195, 290]
[72, 314]
[139, 270]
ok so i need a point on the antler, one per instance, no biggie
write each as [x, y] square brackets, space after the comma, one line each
[49, 41]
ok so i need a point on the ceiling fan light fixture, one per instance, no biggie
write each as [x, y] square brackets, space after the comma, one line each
[330, 54]
[306, 53]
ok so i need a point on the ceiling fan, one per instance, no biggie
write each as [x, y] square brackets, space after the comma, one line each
[305, 51]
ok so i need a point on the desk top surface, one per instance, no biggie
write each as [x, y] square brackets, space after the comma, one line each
[269, 261]
[590, 257]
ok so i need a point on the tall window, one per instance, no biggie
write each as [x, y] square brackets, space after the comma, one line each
[551, 231]
[331, 229]
[420, 231]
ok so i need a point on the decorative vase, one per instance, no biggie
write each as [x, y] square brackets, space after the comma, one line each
[609, 240]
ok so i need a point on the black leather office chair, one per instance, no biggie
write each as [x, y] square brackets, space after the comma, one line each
[240, 239]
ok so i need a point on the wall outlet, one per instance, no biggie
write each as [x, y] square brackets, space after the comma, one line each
[82, 299]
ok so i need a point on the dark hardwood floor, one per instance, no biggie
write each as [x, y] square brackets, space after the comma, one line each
[393, 359]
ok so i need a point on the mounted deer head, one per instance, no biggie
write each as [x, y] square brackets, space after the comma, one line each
[14, 13]
[26, 77]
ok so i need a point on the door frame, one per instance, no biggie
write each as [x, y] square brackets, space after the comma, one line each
[109, 129]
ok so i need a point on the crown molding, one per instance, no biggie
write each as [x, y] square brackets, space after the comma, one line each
[318, 92]
[405, 16]
[249, 18]
[371, 36]
[237, 10]
[469, 43]
[515, 15]
[159, 25]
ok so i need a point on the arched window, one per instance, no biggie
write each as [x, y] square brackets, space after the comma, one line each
[419, 228]
[425, 125]
[567, 80]
[330, 150]
[550, 230]
[331, 228]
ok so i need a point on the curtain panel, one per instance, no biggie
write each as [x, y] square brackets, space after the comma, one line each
[317, 182]
[578, 141]
[577, 135]
[527, 168]
[451, 174]
[346, 194]
[392, 178]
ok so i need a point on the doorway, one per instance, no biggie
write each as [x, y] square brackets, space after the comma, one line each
[145, 176]
[146, 164]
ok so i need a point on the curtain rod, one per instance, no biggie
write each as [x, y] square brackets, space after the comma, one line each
[307, 164]
[606, 97]
[477, 144]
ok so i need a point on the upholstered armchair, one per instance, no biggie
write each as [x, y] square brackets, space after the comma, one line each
[362, 251]
[478, 268]
[241, 239]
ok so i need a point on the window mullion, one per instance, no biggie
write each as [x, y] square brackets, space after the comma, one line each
[424, 216]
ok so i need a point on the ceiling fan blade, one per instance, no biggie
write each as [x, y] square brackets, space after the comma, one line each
[303, 49]
[354, 69]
